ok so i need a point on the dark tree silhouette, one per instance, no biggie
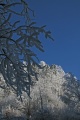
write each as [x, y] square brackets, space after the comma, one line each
[19, 34]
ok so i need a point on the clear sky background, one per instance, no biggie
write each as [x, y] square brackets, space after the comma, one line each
[62, 18]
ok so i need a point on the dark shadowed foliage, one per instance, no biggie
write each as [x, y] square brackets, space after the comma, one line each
[19, 36]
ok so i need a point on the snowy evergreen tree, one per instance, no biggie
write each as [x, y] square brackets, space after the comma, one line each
[19, 34]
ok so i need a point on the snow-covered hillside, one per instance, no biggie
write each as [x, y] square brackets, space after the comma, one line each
[54, 96]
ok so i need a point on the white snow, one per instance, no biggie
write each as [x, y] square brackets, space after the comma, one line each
[52, 88]
[42, 63]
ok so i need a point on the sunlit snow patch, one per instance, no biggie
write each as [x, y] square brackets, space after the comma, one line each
[42, 63]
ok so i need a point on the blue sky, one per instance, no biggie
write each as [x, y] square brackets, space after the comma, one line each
[62, 18]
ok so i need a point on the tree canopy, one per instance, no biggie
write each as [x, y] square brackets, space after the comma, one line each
[19, 35]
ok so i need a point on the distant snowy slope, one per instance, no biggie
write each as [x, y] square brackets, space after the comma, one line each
[54, 90]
